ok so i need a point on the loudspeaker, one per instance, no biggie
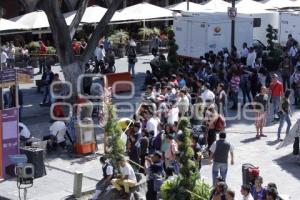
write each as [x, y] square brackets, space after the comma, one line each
[36, 158]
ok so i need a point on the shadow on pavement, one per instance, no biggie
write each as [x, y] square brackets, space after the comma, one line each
[273, 143]
[289, 164]
[249, 140]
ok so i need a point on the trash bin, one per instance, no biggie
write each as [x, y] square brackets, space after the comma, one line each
[85, 136]
[249, 173]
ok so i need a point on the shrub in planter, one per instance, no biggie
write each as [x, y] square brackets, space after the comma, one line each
[187, 185]
[145, 33]
[118, 39]
[274, 58]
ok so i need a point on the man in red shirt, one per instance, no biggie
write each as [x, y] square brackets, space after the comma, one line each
[276, 91]
[42, 56]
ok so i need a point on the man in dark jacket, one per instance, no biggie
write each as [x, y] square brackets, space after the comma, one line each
[107, 171]
[47, 79]
[155, 173]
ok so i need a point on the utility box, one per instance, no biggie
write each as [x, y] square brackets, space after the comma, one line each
[198, 33]
[85, 137]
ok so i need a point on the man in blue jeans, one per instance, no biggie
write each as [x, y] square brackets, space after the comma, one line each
[219, 155]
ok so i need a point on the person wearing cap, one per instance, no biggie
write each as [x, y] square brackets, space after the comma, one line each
[276, 91]
[132, 59]
[127, 179]
[183, 103]
[162, 108]
[173, 113]
[107, 171]
[155, 172]
[181, 81]
[219, 155]
[207, 96]
[251, 57]
[284, 114]
[234, 88]
[296, 85]
[174, 80]
[152, 123]
[244, 53]
[4, 58]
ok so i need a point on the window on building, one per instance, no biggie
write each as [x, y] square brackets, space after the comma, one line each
[256, 22]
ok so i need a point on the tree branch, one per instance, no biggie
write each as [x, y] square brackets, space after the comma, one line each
[29, 5]
[100, 29]
[79, 14]
[60, 31]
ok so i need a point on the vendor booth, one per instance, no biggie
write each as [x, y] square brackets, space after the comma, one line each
[9, 117]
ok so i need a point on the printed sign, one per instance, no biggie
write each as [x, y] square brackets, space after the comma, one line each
[9, 136]
[232, 13]
[25, 75]
[7, 77]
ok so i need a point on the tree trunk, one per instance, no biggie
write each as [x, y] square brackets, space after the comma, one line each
[71, 4]
[79, 14]
[100, 29]
[62, 40]
[29, 5]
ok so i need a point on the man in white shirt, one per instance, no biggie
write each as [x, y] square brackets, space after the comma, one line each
[57, 135]
[183, 103]
[24, 132]
[173, 113]
[152, 123]
[4, 58]
[251, 58]
[99, 53]
[58, 129]
[127, 178]
[207, 96]
[245, 191]
[244, 53]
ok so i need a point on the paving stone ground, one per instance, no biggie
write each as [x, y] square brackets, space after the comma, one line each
[275, 165]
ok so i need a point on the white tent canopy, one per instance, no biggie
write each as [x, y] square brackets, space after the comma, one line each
[33, 20]
[215, 6]
[7, 25]
[250, 6]
[271, 4]
[193, 7]
[92, 14]
[142, 12]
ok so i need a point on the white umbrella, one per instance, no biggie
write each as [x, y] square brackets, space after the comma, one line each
[34, 20]
[250, 6]
[7, 25]
[215, 6]
[193, 7]
[142, 12]
[271, 4]
[92, 14]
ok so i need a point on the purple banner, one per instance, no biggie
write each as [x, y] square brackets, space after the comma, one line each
[10, 135]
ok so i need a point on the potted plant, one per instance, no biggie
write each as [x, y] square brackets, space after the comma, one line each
[272, 60]
[187, 185]
[145, 34]
[118, 39]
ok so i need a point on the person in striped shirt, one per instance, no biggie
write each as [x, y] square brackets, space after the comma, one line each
[234, 89]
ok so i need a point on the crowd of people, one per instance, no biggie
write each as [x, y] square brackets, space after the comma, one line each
[202, 91]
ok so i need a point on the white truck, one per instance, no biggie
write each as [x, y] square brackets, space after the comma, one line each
[289, 23]
[198, 33]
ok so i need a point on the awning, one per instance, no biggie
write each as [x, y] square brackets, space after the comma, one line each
[10, 27]
[92, 14]
[142, 12]
[34, 20]
[193, 7]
